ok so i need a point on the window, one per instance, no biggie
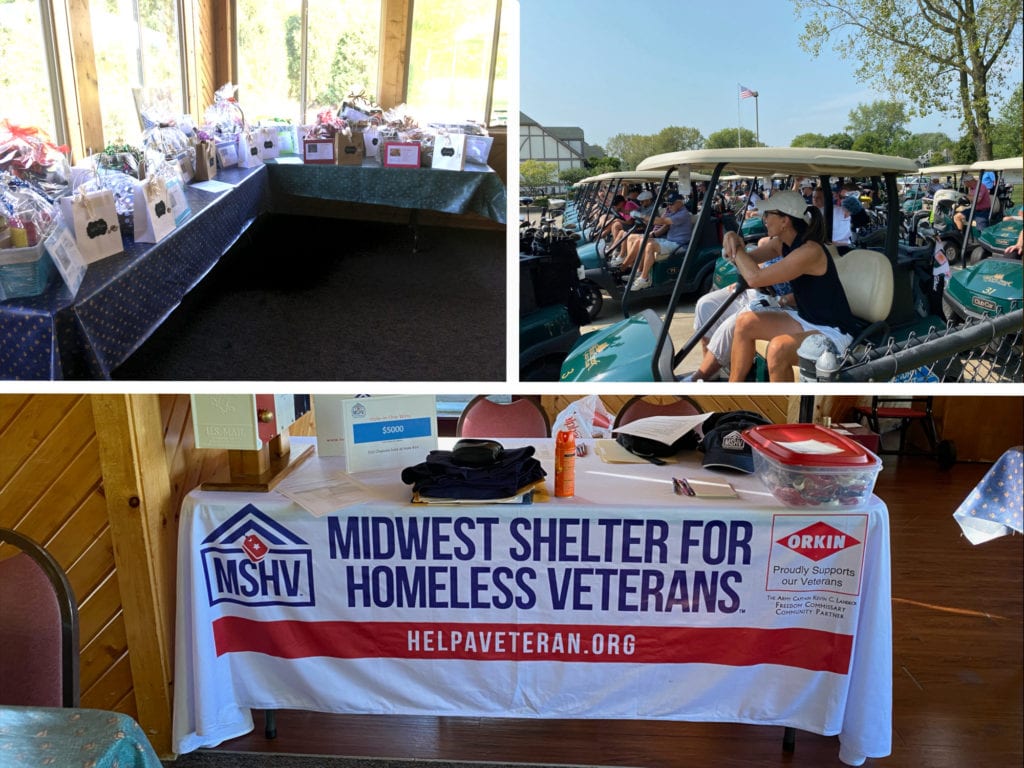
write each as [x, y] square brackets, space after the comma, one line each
[25, 75]
[341, 56]
[454, 46]
[135, 43]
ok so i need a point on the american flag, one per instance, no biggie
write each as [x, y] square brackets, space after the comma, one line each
[746, 93]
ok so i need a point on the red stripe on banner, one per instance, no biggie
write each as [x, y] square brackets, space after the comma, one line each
[810, 649]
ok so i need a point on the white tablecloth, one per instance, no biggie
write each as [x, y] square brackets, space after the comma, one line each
[627, 601]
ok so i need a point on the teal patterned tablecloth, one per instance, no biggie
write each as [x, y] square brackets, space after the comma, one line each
[478, 189]
[33, 737]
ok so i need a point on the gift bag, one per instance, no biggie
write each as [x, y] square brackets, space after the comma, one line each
[266, 139]
[349, 148]
[92, 219]
[180, 207]
[371, 142]
[449, 152]
[206, 161]
[287, 140]
[227, 152]
[248, 150]
[154, 217]
[587, 418]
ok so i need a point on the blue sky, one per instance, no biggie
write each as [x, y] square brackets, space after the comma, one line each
[637, 67]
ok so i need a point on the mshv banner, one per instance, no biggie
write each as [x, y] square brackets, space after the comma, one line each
[724, 587]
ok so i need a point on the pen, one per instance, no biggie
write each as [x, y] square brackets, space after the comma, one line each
[682, 488]
[677, 486]
[687, 488]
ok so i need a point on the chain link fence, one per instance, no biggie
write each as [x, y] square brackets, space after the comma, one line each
[978, 350]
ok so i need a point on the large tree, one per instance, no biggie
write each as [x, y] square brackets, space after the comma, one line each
[1006, 129]
[886, 120]
[938, 55]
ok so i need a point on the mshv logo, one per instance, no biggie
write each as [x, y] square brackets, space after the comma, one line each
[251, 559]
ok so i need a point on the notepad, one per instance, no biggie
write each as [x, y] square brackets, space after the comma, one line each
[712, 489]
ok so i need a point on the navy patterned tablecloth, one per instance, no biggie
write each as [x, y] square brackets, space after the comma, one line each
[31, 737]
[125, 297]
[478, 189]
[996, 505]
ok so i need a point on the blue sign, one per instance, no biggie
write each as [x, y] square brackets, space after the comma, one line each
[402, 429]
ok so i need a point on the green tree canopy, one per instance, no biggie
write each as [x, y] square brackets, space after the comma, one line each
[809, 140]
[939, 55]
[840, 141]
[534, 175]
[886, 120]
[1006, 129]
[731, 137]
[633, 147]
[604, 164]
[571, 175]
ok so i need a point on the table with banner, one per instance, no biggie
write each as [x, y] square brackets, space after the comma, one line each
[626, 601]
[124, 298]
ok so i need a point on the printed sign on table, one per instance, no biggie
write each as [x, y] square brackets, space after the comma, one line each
[389, 432]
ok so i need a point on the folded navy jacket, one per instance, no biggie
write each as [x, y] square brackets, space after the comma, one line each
[440, 477]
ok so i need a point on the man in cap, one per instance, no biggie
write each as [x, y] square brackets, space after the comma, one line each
[671, 232]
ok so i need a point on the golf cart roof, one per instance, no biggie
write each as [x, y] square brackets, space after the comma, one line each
[1003, 164]
[653, 176]
[940, 169]
[759, 161]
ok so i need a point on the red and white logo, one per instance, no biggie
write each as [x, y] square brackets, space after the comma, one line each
[818, 541]
[254, 547]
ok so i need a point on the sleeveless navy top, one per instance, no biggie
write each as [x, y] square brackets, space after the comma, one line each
[820, 299]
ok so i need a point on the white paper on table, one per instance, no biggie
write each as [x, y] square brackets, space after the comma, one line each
[665, 429]
[320, 490]
[612, 453]
[213, 185]
[811, 447]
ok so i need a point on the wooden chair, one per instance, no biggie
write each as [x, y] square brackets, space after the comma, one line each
[907, 411]
[639, 407]
[38, 629]
[523, 417]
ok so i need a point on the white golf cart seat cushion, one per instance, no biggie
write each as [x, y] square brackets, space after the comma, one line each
[868, 283]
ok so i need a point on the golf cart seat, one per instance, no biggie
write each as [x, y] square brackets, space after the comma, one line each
[868, 284]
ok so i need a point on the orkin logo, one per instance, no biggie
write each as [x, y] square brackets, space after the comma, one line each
[817, 541]
[253, 560]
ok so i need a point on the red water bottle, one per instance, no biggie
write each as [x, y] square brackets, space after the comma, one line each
[565, 463]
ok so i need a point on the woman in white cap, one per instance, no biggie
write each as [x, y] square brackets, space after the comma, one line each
[797, 234]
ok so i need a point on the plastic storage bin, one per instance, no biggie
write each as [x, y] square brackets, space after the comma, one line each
[24, 271]
[806, 465]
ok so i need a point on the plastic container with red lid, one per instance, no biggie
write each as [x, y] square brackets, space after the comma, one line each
[806, 465]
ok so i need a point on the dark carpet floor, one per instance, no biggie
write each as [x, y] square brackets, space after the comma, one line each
[221, 759]
[310, 299]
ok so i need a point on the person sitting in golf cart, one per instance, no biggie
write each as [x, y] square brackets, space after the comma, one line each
[797, 234]
[611, 224]
[981, 208]
[671, 232]
[717, 340]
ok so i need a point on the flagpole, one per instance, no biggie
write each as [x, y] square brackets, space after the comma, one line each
[739, 124]
[757, 122]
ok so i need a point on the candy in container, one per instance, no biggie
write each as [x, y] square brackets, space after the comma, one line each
[806, 465]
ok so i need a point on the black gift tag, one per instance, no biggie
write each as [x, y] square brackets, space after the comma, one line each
[160, 208]
[448, 152]
[96, 228]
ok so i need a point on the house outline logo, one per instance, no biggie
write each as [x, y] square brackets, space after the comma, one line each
[252, 560]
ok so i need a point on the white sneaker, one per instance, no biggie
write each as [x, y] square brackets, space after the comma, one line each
[639, 283]
[615, 261]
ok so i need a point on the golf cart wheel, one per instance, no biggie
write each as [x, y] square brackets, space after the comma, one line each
[951, 251]
[593, 299]
[945, 454]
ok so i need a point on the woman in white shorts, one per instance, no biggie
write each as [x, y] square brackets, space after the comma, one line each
[797, 234]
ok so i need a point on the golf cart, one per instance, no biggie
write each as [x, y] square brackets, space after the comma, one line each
[601, 276]
[639, 347]
[991, 281]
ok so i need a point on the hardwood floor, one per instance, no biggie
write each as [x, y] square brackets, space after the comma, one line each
[958, 690]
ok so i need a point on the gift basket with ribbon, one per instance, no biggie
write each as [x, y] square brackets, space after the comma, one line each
[29, 154]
